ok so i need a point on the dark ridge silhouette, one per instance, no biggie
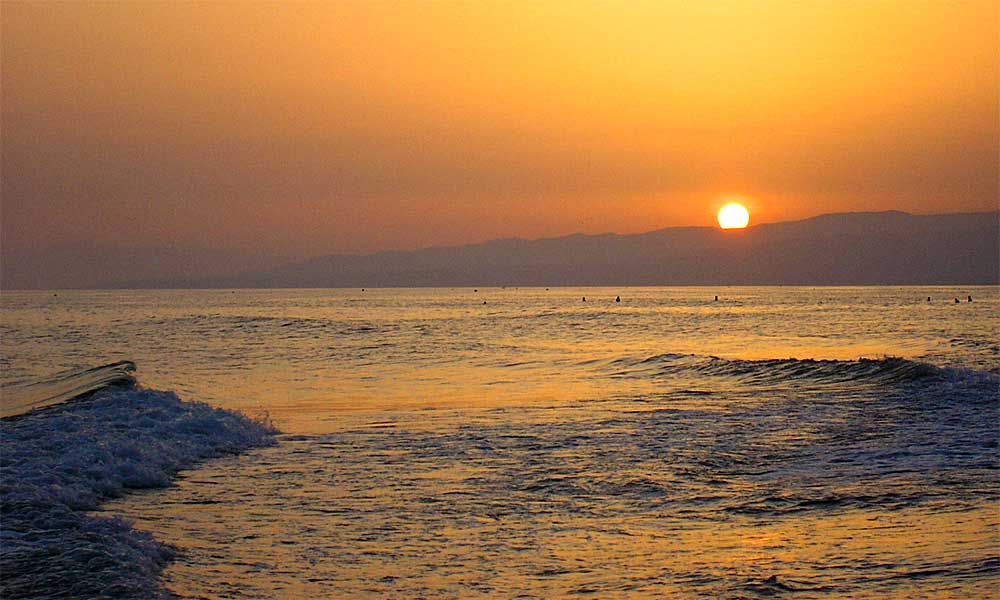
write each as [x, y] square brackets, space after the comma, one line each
[890, 248]
[885, 248]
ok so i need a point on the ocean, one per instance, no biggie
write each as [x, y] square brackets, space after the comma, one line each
[731, 442]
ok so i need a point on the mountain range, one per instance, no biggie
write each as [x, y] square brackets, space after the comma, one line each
[883, 248]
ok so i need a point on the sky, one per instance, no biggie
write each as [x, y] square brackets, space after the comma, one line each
[299, 129]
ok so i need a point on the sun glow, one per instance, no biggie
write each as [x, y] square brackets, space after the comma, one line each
[733, 216]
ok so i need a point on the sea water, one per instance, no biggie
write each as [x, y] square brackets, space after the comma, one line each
[530, 443]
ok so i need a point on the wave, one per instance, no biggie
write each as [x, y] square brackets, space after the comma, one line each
[23, 398]
[888, 370]
[284, 326]
[60, 463]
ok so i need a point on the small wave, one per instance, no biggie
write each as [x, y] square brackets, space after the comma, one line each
[888, 370]
[988, 344]
[775, 586]
[780, 504]
[281, 326]
[60, 463]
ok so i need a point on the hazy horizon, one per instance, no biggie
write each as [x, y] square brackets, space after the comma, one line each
[350, 128]
[514, 236]
[864, 248]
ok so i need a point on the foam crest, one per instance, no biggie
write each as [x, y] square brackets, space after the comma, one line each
[61, 462]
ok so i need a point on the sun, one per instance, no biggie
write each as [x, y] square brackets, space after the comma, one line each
[733, 216]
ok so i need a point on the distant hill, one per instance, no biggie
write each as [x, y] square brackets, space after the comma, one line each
[884, 248]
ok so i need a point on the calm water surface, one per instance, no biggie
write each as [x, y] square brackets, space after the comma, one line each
[527, 443]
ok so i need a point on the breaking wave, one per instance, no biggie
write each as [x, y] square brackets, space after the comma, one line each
[19, 399]
[888, 370]
[63, 461]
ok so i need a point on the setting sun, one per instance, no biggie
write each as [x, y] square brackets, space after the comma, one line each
[733, 216]
[452, 267]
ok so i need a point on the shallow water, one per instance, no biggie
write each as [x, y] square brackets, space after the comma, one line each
[542, 446]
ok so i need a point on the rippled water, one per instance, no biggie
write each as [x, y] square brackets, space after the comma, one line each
[539, 446]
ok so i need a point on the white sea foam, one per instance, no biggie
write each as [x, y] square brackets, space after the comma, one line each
[63, 461]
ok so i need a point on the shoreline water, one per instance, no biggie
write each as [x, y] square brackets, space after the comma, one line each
[665, 446]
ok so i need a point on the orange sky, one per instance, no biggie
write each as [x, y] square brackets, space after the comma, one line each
[307, 129]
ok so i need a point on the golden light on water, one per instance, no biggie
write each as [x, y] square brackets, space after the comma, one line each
[733, 216]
